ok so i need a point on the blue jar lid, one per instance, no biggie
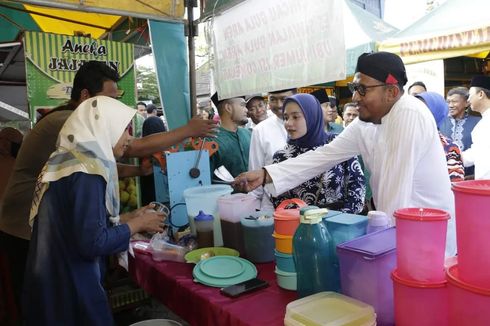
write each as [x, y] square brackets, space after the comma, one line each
[203, 217]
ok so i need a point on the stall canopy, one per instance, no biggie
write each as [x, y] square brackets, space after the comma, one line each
[362, 31]
[456, 28]
[16, 18]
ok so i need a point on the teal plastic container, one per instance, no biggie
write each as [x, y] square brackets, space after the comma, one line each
[313, 254]
[345, 227]
[285, 262]
[257, 236]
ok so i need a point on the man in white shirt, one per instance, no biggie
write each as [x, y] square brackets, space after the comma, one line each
[256, 110]
[267, 138]
[479, 152]
[397, 138]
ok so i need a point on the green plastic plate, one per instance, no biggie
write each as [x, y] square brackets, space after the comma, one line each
[194, 256]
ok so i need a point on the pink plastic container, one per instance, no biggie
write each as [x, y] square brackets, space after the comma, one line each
[421, 304]
[420, 243]
[468, 304]
[472, 199]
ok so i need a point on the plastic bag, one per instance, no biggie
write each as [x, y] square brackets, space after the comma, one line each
[163, 250]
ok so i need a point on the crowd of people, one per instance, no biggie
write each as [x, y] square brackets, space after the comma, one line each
[386, 149]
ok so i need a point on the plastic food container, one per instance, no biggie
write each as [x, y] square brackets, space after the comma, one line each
[366, 264]
[468, 304]
[420, 243]
[285, 262]
[257, 237]
[329, 309]
[418, 303]
[472, 200]
[284, 243]
[286, 280]
[286, 220]
[344, 227]
[233, 207]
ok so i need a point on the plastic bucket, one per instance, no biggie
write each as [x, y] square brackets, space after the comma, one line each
[468, 304]
[257, 237]
[206, 199]
[366, 264]
[157, 322]
[284, 243]
[420, 243]
[472, 200]
[285, 262]
[286, 216]
[421, 304]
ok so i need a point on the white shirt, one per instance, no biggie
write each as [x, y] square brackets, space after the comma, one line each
[268, 137]
[479, 152]
[403, 153]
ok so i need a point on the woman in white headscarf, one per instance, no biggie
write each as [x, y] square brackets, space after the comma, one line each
[75, 218]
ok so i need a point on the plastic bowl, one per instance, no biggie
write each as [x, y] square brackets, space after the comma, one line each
[284, 262]
[286, 280]
[284, 243]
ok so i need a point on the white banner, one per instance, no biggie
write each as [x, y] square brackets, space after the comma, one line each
[262, 46]
[431, 73]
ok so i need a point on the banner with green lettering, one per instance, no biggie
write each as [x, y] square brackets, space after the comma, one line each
[53, 59]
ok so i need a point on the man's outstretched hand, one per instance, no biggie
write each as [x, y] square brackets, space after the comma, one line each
[198, 127]
[248, 181]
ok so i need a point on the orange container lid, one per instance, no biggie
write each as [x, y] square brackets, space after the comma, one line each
[421, 214]
[281, 236]
[452, 274]
[477, 187]
[416, 284]
[289, 209]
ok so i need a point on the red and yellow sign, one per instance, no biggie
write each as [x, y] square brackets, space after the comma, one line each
[444, 46]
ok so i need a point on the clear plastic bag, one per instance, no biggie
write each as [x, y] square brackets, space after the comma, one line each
[163, 250]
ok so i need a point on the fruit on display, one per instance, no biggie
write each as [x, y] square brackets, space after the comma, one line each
[128, 194]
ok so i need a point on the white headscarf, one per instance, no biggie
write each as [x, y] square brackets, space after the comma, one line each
[85, 145]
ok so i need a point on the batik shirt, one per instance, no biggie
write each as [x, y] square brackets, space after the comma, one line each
[340, 188]
[455, 165]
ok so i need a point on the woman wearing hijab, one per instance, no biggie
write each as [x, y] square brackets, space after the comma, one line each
[439, 109]
[340, 188]
[75, 218]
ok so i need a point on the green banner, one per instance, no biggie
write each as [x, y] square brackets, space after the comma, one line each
[52, 61]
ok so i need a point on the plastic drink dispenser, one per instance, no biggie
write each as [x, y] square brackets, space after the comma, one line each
[204, 230]
[313, 253]
[205, 198]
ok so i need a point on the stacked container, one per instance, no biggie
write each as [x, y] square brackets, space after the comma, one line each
[420, 288]
[365, 267]
[286, 221]
[469, 278]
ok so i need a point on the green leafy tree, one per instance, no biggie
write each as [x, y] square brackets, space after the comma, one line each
[147, 85]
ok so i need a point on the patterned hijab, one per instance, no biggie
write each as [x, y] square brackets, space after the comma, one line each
[315, 134]
[85, 145]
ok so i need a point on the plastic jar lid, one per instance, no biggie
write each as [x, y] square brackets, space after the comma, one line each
[452, 274]
[416, 284]
[421, 214]
[478, 187]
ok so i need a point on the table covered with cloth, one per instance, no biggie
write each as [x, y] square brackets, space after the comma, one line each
[172, 284]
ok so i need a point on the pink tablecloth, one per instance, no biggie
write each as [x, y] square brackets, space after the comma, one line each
[173, 285]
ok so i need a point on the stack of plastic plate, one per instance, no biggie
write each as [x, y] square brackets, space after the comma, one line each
[221, 271]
